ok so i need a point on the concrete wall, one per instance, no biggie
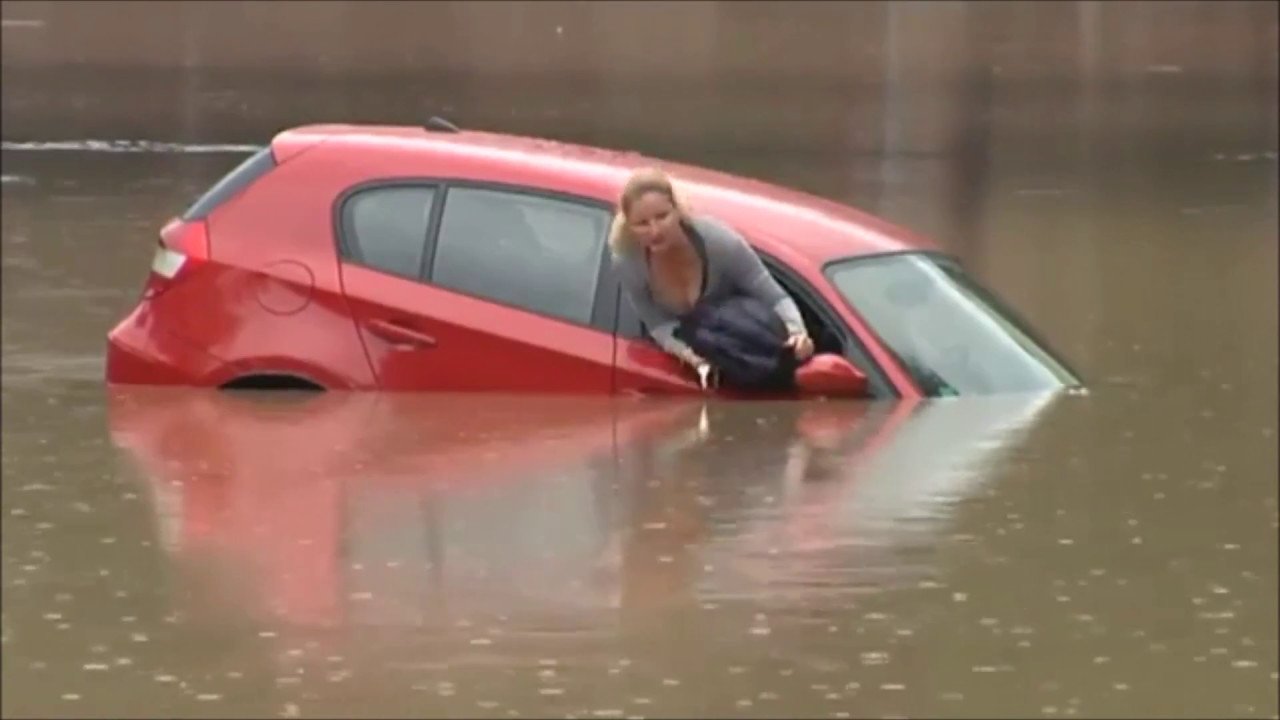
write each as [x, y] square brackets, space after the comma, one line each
[738, 74]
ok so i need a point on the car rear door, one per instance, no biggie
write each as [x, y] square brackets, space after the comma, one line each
[461, 287]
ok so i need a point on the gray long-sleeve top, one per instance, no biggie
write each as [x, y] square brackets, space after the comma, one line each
[732, 268]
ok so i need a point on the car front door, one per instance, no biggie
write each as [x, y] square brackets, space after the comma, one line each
[459, 287]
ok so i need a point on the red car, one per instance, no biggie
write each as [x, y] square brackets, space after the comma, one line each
[434, 259]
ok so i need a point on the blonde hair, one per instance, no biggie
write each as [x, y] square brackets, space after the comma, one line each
[641, 182]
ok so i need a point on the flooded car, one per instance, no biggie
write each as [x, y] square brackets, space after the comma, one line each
[435, 259]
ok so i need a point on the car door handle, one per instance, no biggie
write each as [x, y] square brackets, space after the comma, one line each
[398, 334]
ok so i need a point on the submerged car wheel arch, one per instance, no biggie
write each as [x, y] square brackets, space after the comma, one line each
[287, 371]
[271, 381]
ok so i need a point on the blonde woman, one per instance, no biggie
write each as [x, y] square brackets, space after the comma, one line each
[669, 260]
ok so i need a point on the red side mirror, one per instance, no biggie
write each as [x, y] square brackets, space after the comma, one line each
[831, 374]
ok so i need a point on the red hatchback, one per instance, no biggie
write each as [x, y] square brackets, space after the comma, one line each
[434, 259]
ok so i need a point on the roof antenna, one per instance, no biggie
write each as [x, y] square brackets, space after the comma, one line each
[439, 124]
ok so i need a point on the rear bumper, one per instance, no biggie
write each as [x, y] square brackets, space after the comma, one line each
[139, 353]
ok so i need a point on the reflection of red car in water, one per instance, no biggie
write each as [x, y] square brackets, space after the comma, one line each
[406, 510]
[433, 259]
[285, 487]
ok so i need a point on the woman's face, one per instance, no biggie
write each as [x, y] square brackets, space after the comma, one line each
[654, 221]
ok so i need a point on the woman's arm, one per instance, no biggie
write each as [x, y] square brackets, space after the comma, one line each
[660, 323]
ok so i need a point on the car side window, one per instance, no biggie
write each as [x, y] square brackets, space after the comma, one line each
[385, 228]
[534, 252]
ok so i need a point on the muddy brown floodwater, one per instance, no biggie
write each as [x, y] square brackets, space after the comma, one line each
[186, 553]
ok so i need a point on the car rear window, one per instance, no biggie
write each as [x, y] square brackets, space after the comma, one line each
[244, 174]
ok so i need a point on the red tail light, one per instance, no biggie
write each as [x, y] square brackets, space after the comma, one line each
[183, 246]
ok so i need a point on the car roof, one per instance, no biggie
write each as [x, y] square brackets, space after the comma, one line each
[778, 220]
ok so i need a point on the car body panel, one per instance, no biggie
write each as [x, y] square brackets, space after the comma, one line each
[645, 369]
[142, 352]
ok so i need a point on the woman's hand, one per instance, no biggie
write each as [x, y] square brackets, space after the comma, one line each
[702, 368]
[704, 375]
[802, 345]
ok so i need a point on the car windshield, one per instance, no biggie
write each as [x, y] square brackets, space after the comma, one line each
[954, 337]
